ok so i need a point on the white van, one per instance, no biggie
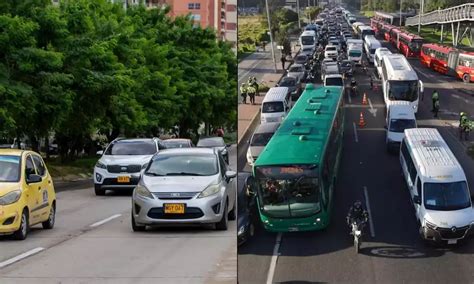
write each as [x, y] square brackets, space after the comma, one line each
[333, 80]
[308, 39]
[371, 44]
[275, 105]
[437, 185]
[379, 53]
[400, 116]
[354, 50]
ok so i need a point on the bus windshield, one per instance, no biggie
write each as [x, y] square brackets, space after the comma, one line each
[288, 191]
[415, 45]
[446, 196]
[307, 40]
[403, 91]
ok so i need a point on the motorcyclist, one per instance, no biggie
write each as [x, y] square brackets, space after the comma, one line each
[354, 86]
[464, 125]
[357, 213]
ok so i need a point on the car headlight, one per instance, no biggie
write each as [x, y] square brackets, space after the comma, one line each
[10, 197]
[143, 191]
[430, 225]
[224, 152]
[242, 230]
[210, 190]
[100, 165]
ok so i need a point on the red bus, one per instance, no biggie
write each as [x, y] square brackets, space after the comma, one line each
[386, 29]
[448, 60]
[376, 25]
[394, 33]
[409, 44]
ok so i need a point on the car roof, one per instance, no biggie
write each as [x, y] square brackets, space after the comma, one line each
[134, 140]
[211, 138]
[177, 140]
[270, 127]
[189, 151]
[11, 152]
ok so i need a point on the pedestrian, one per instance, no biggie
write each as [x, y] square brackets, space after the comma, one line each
[220, 132]
[263, 45]
[283, 60]
[243, 92]
[436, 108]
[434, 98]
[255, 85]
[251, 91]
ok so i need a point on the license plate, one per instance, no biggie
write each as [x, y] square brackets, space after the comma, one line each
[123, 179]
[452, 242]
[174, 208]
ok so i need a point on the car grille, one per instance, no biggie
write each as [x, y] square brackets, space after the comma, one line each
[123, 169]
[189, 213]
[447, 233]
[174, 195]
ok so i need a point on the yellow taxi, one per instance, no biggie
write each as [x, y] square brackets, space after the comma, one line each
[27, 194]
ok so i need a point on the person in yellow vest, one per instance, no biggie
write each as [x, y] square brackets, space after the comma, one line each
[243, 92]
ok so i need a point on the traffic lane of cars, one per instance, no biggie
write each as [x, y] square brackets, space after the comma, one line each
[115, 253]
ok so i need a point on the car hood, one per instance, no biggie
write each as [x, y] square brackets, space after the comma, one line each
[256, 150]
[125, 159]
[220, 148]
[243, 218]
[6, 187]
[178, 183]
[448, 219]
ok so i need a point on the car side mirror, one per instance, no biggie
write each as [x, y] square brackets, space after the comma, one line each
[228, 145]
[416, 199]
[230, 174]
[100, 153]
[33, 178]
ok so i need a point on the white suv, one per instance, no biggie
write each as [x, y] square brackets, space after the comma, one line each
[120, 164]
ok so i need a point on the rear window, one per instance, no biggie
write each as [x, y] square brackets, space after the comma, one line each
[132, 148]
[334, 82]
[261, 139]
[270, 107]
[355, 53]
[330, 48]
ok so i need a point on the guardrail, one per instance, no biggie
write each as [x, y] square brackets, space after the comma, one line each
[459, 13]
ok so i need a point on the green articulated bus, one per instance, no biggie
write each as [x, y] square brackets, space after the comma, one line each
[295, 174]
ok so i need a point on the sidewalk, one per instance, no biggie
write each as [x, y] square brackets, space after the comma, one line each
[249, 115]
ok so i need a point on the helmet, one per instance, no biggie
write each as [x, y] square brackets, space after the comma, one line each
[358, 204]
[462, 114]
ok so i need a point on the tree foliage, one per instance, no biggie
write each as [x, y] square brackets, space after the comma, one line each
[88, 67]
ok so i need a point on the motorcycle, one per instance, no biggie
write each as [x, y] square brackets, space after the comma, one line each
[466, 130]
[357, 233]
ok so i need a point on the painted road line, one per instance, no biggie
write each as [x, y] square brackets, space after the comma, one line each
[276, 249]
[355, 132]
[367, 203]
[253, 66]
[375, 106]
[349, 97]
[372, 110]
[20, 257]
[96, 224]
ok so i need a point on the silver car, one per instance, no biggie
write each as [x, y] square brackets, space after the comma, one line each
[297, 71]
[187, 185]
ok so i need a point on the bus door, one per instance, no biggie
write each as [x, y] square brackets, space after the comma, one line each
[452, 62]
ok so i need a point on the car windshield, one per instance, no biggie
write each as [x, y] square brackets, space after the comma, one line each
[334, 82]
[307, 40]
[399, 125]
[176, 144]
[183, 165]
[270, 107]
[295, 69]
[211, 142]
[301, 58]
[331, 48]
[289, 191]
[446, 196]
[288, 82]
[355, 53]
[9, 168]
[403, 90]
[131, 148]
[260, 139]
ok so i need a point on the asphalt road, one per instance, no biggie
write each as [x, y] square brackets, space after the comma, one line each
[391, 252]
[82, 250]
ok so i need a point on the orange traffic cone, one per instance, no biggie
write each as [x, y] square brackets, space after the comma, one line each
[364, 99]
[361, 120]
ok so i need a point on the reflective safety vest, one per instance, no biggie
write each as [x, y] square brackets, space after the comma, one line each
[251, 90]
[435, 96]
[243, 89]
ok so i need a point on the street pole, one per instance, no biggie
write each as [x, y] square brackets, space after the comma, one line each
[298, 11]
[420, 12]
[400, 13]
[271, 36]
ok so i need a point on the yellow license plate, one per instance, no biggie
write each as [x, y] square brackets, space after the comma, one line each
[123, 179]
[174, 208]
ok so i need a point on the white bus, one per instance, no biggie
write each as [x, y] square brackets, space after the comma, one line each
[437, 185]
[308, 39]
[379, 53]
[364, 31]
[400, 81]
[370, 45]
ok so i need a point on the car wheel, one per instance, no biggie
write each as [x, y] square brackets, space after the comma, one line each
[233, 213]
[466, 78]
[222, 224]
[251, 230]
[136, 227]
[49, 224]
[22, 232]
[99, 191]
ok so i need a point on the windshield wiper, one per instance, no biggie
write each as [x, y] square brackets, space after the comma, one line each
[183, 174]
[154, 174]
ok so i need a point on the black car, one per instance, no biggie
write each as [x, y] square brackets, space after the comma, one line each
[216, 143]
[302, 59]
[247, 220]
[293, 85]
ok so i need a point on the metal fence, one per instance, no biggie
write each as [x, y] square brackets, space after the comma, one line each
[459, 13]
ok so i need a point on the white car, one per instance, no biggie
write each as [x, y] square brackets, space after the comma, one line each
[330, 51]
[120, 164]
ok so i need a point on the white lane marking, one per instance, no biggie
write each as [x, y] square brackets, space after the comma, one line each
[372, 110]
[253, 66]
[367, 204]
[349, 97]
[20, 257]
[271, 271]
[106, 220]
[355, 132]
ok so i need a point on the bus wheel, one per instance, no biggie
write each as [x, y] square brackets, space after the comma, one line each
[466, 78]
